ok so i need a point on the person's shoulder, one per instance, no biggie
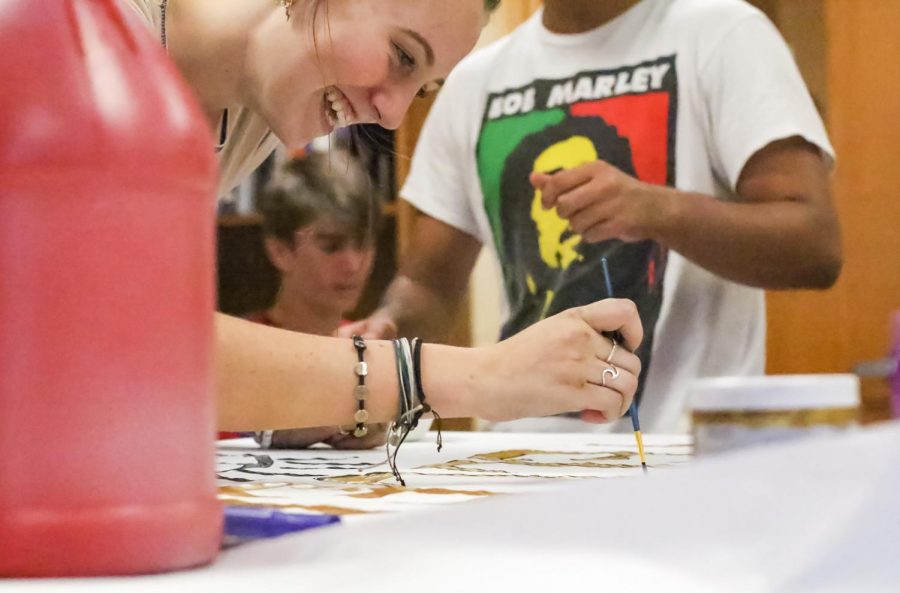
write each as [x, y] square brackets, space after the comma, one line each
[696, 15]
[706, 24]
[478, 63]
[481, 61]
[467, 82]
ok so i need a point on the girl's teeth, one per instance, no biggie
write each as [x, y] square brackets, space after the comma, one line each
[336, 107]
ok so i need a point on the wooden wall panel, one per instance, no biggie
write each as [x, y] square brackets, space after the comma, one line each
[804, 328]
[822, 332]
[864, 99]
[864, 113]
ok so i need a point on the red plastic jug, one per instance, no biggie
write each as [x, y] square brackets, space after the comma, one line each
[107, 181]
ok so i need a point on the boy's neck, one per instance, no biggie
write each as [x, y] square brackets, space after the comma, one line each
[303, 319]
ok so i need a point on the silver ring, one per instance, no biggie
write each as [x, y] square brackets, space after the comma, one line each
[613, 375]
[612, 352]
[264, 438]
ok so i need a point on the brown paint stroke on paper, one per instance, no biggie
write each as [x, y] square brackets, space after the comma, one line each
[247, 489]
[388, 490]
[357, 479]
[500, 473]
[511, 456]
[316, 508]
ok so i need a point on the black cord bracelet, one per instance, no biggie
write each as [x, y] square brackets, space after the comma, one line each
[411, 404]
[420, 389]
[417, 372]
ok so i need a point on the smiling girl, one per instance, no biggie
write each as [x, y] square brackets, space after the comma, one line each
[293, 70]
[266, 71]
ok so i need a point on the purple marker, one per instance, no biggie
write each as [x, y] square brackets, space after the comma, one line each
[895, 355]
[249, 523]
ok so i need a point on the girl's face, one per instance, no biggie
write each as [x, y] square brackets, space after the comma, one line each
[370, 60]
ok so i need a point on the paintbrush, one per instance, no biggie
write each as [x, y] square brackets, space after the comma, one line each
[633, 410]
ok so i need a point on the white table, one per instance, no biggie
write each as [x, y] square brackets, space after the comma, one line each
[815, 516]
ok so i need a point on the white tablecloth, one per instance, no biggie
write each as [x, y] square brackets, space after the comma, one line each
[811, 516]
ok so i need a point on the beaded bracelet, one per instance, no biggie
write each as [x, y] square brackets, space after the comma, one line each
[361, 391]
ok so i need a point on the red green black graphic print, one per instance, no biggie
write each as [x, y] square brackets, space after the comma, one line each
[625, 117]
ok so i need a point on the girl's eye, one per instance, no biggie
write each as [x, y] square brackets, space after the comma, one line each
[406, 60]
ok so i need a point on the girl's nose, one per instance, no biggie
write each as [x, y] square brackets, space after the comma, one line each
[392, 102]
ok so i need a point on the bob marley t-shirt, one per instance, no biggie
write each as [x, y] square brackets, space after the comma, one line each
[556, 124]
[673, 92]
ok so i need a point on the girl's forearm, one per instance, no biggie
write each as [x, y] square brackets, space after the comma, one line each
[268, 378]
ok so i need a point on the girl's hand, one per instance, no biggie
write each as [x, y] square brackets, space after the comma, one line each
[560, 365]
